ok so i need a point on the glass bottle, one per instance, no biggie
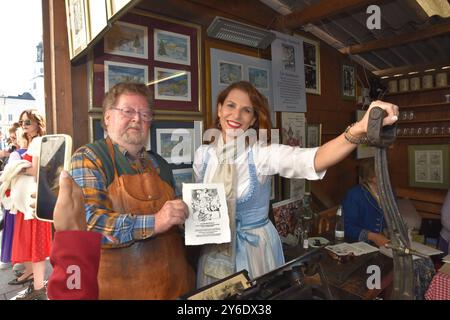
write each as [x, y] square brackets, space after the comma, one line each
[339, 226]
[307, 213]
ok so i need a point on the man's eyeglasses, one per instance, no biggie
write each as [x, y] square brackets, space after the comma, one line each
[130, 113]
[25, 122]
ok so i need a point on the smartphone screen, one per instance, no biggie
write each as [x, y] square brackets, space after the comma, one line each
[54, 157]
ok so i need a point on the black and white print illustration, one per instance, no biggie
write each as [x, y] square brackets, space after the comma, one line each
[206, 204]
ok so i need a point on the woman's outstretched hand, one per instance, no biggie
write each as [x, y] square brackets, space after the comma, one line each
[360, 128]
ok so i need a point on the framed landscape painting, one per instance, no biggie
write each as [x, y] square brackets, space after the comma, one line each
[127, 39]
[116, 72]
[172, 84]
[172, 47]
[229, 72]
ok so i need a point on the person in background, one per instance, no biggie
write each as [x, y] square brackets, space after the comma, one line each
[32, 238]
[255, 244]
[9, 219]
[363, 216]
[364, 221]
[444, 239]
[130, 200]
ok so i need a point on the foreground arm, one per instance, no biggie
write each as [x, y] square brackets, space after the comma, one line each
[337, 149]
[75, 253]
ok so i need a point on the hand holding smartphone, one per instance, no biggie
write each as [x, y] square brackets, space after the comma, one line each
[54, 157]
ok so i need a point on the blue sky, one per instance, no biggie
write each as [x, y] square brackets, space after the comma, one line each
[20, 32]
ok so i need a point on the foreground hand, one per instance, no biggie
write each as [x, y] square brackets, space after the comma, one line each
[69, 210]
[173, 212]
[360, 127]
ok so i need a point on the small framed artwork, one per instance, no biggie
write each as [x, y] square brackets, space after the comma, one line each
[98, 19]
[175, 145]
[116, 72]
[229, 72]
[429, 166]
[172, 47]
[76, 26]
[182, 176]
[311, 57]
[363, 150]
[348, 82]
[222, 289]
[258, 77]
[172, 84]
[96, 131]
[127, 39]
[313, 135]
[176, 141]
[114, 6]
[285, 214]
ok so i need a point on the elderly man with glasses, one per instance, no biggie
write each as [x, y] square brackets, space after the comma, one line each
[129, 200]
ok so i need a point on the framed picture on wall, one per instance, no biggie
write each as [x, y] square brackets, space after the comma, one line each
[259, 77]
[182, 176]
[116, 72]
[176, 141]
[76, 26]
[127, 39]
[96, 131]
[229, 72]
[172, 47]
[313, 135]
[311, 58]
[172, 84]
[98, 18]
[429, 166]
[115, 6]
[348, 82]
[175, 145]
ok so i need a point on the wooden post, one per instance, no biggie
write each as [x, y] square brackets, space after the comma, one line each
[57, 69]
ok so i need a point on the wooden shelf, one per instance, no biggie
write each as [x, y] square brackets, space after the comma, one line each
[426, 105]
[417, 91]
[423, 121]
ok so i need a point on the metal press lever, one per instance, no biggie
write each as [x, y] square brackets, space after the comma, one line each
[382, 137]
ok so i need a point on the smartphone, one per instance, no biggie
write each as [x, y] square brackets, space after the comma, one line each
[56, 150]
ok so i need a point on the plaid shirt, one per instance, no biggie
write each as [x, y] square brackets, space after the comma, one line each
[118, 229]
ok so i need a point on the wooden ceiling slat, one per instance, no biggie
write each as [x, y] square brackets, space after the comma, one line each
[323, 9]
[398, 40]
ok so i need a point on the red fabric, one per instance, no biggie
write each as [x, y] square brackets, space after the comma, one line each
[75, 259]
[32, 240]
[439, 288]
[26, 156]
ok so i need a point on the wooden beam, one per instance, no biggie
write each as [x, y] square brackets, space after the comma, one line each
[322, 10]
[411, 68]
[57, 76]
[398, 40]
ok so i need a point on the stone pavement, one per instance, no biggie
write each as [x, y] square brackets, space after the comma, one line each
[7, 291]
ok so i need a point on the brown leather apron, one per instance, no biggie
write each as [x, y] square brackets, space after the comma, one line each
[155, 268]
